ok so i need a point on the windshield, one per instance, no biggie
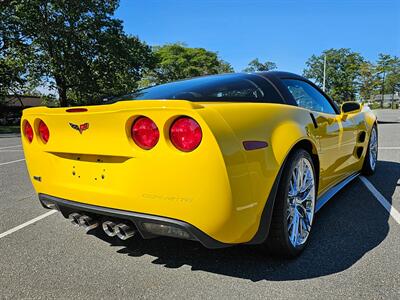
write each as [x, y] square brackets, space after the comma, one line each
[218, 88]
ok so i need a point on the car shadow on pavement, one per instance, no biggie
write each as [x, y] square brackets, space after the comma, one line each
[350, 225]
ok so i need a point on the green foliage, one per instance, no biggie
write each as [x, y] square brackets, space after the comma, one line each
[375, 105]
[176, 61]
[388, 69]
[349, 75]
[9, 129]
[368, 81]
[14, 57]
[255, 66]
[11, 73]
[342, 72]
[77, 47]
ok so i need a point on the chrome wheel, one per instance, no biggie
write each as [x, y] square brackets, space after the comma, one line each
[301, 202]
[373, 148]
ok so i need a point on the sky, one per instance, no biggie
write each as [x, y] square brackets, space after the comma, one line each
[286, 32]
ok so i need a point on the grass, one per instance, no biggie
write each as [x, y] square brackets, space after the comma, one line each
[9, 129]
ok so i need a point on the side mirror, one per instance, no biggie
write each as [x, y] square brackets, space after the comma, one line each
[350, 108]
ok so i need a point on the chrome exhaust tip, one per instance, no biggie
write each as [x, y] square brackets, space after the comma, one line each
[88, 223]
[110, 228]
[74, 218]
[125, 232]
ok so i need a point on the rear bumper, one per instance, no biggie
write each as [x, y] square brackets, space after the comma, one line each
[220, 189]
[66, 207]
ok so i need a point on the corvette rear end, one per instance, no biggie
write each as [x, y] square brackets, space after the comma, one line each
[155, 166]
[241, 158]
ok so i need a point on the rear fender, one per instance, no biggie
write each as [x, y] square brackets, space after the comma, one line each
[282, 127]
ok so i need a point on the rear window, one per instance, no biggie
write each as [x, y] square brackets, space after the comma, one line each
[218, 88]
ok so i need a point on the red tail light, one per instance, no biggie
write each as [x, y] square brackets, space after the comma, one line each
[44, 132]
[185, 134]
[145, 133]
[28, 131]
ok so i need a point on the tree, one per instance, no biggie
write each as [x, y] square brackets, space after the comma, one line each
[177, 61]
[12, 75]
[255, 65]
[342, 72]
[368, 81]
[388, 69]
[14, 57]
[79, 48]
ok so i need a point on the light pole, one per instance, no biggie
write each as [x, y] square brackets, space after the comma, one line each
[324, 79]
[383, 87]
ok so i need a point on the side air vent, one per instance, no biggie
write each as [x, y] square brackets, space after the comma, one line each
[361, 137]
[359, 152]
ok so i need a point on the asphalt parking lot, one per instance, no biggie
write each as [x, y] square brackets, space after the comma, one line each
[354, 250]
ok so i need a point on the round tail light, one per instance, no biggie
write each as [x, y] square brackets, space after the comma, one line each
[185, 133]
[44, 132]
[145, 133]
[28, 131]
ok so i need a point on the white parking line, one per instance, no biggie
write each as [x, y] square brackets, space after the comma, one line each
[10, 162]
[15, 146]
[389, 148]
[12, 230]
[382, 200]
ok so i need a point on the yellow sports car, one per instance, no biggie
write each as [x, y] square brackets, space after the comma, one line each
[223, 160]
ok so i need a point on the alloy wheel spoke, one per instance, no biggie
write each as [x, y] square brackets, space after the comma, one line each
[306, 224]
[295, 228]
[301, 201]
[292, 190]
[302, 209]
[300, 232]
[307, 194]
[295, 182]
[300, 173]
[373, 146]
[307, 181]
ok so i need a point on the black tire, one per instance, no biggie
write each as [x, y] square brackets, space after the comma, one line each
[367, 168]
[278, 242]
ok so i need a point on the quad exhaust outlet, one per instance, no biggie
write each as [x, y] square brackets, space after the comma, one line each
[123, 231]
[74, 218]
[110, 228]
[88, 223]
[84, 221]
